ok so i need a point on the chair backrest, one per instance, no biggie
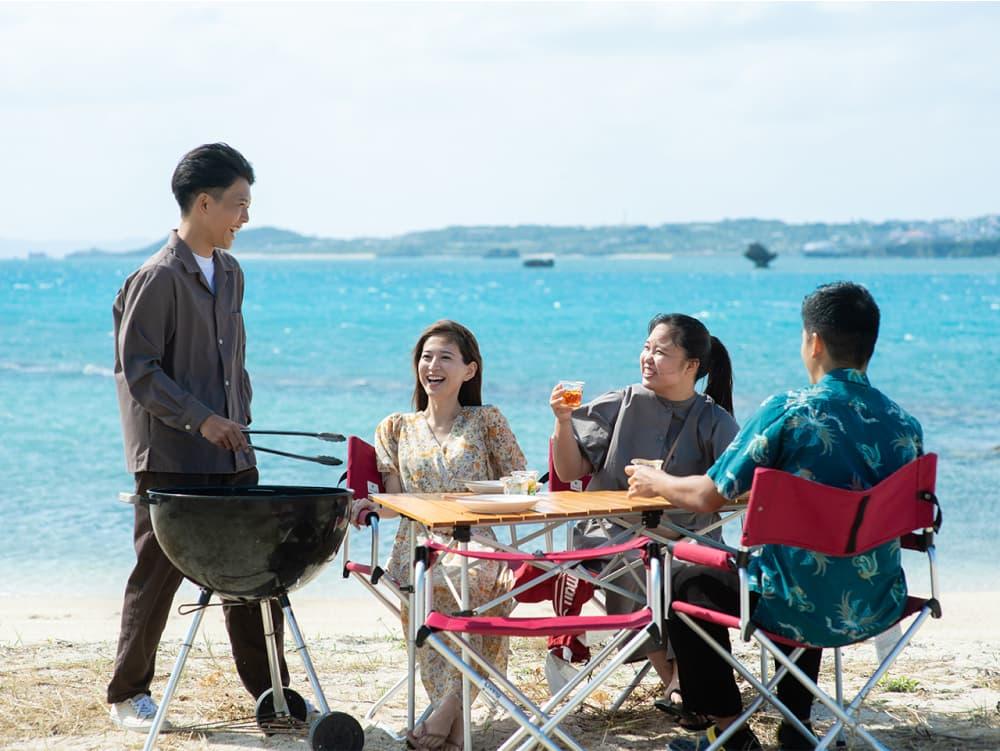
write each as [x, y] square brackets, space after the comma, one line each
[788, 510]
[556, 485]
[363, 476]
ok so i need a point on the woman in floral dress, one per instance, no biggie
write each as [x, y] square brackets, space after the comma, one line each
[450, 437]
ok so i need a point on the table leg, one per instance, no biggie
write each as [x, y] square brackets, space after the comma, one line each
[411, 637]
[466, 686]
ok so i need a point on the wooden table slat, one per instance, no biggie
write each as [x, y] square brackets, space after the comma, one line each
[439, 510]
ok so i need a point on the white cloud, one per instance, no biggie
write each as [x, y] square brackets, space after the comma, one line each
[381, 118]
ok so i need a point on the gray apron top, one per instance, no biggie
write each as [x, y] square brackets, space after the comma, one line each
[635, 423]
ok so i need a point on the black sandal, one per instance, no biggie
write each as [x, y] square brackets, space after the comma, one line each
[674, 708]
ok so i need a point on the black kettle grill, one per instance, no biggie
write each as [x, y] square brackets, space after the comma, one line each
[257, 544]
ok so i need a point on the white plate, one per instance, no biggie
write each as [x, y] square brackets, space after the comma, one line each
[492, 503]
[484, 486]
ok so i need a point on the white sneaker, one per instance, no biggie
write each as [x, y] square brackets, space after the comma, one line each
[137, 714]
[312, 711]
[558, 671]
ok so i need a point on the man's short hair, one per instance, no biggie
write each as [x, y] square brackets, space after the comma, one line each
[210, 168]
[846, 317]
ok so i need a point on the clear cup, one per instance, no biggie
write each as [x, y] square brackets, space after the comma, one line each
[529, 475]
[572, 393]
[654, 463]
[513, 485]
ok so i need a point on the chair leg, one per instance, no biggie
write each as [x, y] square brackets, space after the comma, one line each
[634, 643]
[747, 675]
[842, 716]
[394, 609]
[541, 713]
[838, 666]
[485, 686]
[845, 716]
[632, 686]
[756, 704]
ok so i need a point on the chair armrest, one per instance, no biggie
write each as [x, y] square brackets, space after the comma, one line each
[705, 556]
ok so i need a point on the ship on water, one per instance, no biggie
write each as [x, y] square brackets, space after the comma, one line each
[543, 261]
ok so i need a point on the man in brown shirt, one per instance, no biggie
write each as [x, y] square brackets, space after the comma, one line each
[184, 396]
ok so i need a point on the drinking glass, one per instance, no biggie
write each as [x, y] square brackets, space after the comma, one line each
[530, 476]
[654, 463]
[572, 393]
[513, 485]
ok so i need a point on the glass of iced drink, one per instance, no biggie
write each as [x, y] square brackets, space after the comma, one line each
[530, 476]
[654, 463]
[515, 485]
[572, 393]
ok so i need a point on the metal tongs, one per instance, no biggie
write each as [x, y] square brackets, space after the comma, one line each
[330, 461]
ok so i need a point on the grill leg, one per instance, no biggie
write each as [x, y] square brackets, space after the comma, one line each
[300, 647]
[175, 675]
[271, 643]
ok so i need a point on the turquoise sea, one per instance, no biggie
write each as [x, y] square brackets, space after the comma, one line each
[329, 350]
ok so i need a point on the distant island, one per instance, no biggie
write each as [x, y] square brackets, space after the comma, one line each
[955, 238]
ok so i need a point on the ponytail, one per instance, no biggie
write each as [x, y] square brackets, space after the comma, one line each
[720, 376]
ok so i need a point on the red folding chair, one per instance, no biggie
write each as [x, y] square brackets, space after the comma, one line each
[555, 484]
[364, 479]
[788, 510]
[541, 723]
[616, 567]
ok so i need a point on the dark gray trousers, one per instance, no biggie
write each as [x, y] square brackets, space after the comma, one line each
[707, 681]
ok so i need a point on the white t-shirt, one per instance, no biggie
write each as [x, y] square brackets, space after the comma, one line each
[207, 266]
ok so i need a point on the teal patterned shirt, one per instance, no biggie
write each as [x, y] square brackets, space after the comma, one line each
[841, 432]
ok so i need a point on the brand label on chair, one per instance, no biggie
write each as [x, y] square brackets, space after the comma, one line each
[491, 692]
[372, 487]
[576, 485]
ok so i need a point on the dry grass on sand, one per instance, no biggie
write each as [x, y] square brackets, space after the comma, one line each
[52, 697]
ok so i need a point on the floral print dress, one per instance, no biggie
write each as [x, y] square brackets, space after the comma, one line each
[480, 446]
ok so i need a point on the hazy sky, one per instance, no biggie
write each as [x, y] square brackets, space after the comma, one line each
[377, 119]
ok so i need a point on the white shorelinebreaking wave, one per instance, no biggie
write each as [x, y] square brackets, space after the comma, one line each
[67, 369]
[90, 369]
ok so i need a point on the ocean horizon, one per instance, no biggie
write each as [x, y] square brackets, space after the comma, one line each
[329, 350]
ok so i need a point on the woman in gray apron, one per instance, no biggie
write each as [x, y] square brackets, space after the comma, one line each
[663, 417]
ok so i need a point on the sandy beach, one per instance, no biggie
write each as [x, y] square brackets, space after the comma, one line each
[57, 654]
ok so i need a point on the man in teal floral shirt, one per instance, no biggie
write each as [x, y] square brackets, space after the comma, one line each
[839, 431]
